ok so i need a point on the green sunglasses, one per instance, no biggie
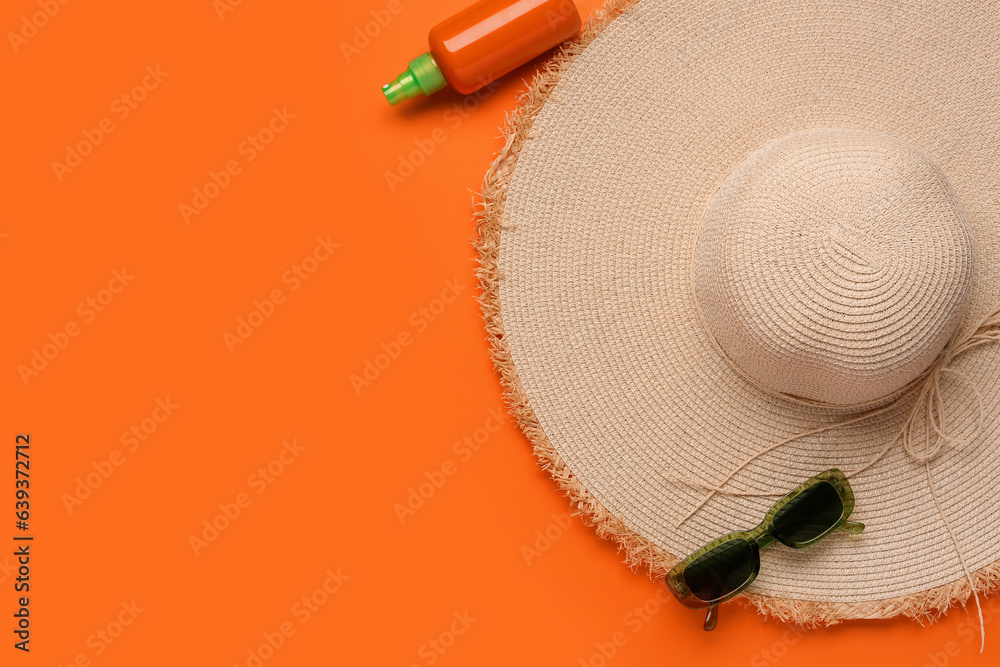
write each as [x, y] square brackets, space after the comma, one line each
[723, 568]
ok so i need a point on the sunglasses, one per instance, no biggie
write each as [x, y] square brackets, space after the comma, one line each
[723, 568]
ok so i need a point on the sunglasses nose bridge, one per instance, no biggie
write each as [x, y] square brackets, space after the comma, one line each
[765, 540]
[760, 536]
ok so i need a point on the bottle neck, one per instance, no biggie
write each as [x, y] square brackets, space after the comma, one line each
[423, 76]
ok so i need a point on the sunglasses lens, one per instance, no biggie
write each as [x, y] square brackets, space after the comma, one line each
[724, 569]
[809, 515]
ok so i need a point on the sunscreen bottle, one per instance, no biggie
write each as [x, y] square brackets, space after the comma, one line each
[482, 43]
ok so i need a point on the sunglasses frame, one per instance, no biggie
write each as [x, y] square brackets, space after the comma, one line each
[763, 535]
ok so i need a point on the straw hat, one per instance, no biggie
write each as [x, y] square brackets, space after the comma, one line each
[730, 244]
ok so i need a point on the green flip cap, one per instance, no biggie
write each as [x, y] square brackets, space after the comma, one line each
[422, 77]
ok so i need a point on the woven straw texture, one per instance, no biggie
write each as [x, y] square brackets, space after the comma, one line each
[833, 266]
[715, 226]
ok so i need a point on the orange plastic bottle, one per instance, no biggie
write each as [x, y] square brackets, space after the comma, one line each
[482, 43]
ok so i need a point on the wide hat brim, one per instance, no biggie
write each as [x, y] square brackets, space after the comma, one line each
[588, 223]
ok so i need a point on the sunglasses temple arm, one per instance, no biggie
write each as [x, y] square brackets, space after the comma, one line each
[711, 617]
[852, 527]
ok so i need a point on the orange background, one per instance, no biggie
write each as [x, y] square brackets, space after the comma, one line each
[334, 505]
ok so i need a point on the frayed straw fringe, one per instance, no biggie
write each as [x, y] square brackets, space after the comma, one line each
[926, 606]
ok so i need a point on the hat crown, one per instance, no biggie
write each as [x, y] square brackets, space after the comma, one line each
[834, 265]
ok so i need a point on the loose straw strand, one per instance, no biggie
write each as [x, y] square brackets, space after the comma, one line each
[929, 404]
[751, 458]
[961, 559]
